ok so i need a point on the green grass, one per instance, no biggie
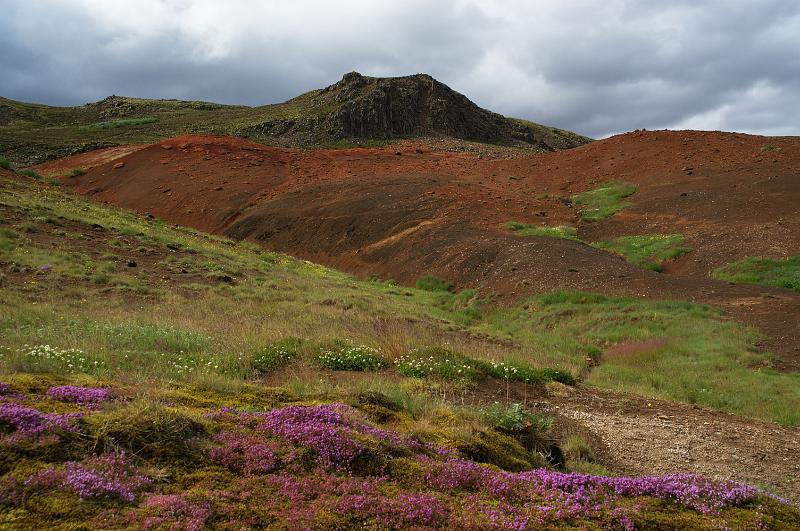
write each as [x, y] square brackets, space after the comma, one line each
[605, 201]
[114, 124]
[32, 174]
[646, 250]
[75, 172]
[561, 231]
[783, 273]
[704, 358]
[431, 283]
[5, 164]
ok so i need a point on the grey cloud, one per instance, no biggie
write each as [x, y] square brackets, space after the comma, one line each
[597, 67]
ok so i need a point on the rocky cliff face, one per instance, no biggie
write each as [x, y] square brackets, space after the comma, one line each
[380, 108]
[412, 105]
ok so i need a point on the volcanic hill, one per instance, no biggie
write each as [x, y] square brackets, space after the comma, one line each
[357, 109]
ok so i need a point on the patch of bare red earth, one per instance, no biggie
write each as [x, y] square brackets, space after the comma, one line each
[402, 211]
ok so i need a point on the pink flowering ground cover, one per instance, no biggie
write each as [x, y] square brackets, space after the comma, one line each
[328, 467]
[79, 395]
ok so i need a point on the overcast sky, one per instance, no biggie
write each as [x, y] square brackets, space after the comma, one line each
[597, 67]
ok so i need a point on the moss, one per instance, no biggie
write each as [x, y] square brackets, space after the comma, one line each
[379, 407]
[210, 478]
[251, 398]
[406, 471]
[56, 509]
[503, 451]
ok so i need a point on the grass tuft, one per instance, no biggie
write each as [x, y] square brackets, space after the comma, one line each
[32, 174]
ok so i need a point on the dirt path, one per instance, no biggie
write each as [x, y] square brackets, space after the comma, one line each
[655, 437]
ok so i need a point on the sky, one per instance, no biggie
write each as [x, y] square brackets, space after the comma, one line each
[597, 67]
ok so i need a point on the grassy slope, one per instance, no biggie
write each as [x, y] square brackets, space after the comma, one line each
[180, 335]
[213, 305]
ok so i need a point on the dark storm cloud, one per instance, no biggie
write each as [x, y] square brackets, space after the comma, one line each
[594, 66]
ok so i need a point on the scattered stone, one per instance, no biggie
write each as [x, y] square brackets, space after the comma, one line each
[174, 246]
[131, 263]
[119, 165]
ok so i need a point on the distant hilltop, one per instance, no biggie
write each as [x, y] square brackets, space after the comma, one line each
[356, 109]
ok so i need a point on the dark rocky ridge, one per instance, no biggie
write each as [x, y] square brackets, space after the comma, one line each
[362, 107]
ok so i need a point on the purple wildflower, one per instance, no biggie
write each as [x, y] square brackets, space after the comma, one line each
[331, 431]
[177, 512]
[243, 453]
[80, 395]
[107, 476]
[29, 424]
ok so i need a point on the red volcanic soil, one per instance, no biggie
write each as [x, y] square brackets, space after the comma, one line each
[403, 211]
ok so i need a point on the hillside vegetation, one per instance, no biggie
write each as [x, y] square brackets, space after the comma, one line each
[158, 376]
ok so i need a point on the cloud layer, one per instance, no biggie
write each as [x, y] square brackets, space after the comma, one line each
[594, 66]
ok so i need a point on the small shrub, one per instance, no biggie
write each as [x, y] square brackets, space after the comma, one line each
[431, 283]
[766, 148]
[32, 174]
[5, 164]
[514, 418]
[278, 354]
[346, 356]
[75, 172]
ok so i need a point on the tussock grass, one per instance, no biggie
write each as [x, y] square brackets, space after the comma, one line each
[769, 272]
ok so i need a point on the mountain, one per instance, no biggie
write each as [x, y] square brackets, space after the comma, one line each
[357, 109]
